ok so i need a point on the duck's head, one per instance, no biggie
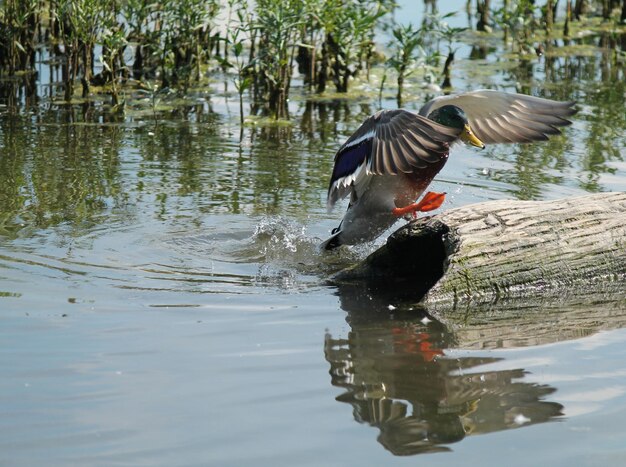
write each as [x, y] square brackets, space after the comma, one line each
[454, 117]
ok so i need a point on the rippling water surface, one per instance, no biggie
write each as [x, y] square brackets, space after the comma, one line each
[163, 300]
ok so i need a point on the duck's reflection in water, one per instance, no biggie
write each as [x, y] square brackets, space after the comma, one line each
[401, 375]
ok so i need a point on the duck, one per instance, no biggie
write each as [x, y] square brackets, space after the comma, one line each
[389, 161]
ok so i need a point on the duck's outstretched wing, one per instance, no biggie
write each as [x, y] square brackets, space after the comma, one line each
[389, 142]
[501, 117]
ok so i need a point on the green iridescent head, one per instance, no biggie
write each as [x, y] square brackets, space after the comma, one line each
[454, 117]
[449, 115]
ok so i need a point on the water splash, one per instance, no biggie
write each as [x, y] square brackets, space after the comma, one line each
[274, 252]
[290, 256]
[279, 238]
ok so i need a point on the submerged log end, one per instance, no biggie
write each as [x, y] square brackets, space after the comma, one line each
[415, 251]
[507, 248]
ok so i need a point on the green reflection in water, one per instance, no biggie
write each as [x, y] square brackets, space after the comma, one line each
[52, 174]
[58, 168]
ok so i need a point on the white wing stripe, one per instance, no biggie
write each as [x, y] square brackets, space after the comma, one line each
[357, 141]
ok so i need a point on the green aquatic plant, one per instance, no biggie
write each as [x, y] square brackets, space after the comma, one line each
[138, 15]
[178, 42]
[237, 36]
[407, 54]
[79, 27]
[243, 79]
[19, 20]
[113, 44]
[19, 35]
[185, 26]
[419, 48]
[449, 34]
[519, 21]
[311, 38]
[277, 23]
[349, 31]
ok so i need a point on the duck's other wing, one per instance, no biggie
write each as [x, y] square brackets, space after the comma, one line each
[501, 117]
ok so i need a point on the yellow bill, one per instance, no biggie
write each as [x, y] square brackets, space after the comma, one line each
[468, 136]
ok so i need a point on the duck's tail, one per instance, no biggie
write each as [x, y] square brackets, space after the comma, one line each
[333, 241]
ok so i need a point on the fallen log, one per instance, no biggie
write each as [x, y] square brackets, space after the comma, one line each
[504, 249]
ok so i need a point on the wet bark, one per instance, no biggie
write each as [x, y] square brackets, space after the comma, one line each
[447, 82]
[579, 9]
[322, 74]
[87, 72]
[483, 9]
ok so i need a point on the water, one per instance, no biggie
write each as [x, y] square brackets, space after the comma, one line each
[163, 300]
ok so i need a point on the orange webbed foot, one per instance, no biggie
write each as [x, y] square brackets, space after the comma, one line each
[429, 202]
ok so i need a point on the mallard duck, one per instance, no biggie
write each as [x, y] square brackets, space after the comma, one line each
[390, 160]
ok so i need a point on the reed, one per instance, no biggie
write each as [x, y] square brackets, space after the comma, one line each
[407, 53]
[100, 44]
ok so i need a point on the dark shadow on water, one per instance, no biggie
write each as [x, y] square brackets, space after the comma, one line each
[401, 374]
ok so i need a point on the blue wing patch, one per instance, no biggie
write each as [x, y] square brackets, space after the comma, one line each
[350, 158]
